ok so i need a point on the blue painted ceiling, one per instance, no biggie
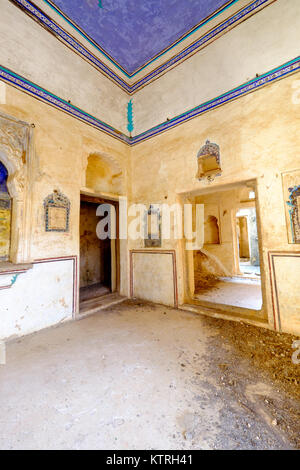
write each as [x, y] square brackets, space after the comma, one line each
[132, 32]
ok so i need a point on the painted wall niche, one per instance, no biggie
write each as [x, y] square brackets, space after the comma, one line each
[212, 228]
[211, 231]
[209, 162]
[57, 212]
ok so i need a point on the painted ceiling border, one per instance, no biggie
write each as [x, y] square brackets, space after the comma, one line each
[47, 97]
[45, 21]
[42, 18]
[184, 36]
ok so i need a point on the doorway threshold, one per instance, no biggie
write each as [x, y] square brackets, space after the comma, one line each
[226, 312]
[88, 307]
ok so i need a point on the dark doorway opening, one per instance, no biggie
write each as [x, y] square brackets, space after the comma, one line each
[98, 258]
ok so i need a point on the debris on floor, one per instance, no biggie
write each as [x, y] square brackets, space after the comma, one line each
[144, 376]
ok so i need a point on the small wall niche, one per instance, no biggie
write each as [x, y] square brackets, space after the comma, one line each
[211, 231]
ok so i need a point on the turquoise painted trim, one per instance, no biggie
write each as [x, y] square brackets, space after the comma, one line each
[77, 47]
[128, 75]
[130, 125]
[13, 280]
[46, 96]
[45, 21]
[185, 37]
[221, 96]
[52, 94]
[252, 85]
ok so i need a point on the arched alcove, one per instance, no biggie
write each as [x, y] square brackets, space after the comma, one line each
[211, 231]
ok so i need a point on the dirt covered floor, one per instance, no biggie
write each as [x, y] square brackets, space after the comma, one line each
[143, 376]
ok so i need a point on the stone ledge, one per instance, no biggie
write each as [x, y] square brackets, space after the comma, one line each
[6, 267]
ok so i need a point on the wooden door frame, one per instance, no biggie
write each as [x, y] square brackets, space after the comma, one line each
[115, 244]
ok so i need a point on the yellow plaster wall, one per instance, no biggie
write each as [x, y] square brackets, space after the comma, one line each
[259, 139]
[61, 149]
[104, 176]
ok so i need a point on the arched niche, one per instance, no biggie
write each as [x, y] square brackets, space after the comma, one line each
[15, 156]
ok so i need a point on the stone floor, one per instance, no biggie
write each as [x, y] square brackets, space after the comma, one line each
[238, 292]
[142, 376]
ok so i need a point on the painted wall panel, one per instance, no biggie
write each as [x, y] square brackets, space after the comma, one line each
[41, 297]
[152, 277]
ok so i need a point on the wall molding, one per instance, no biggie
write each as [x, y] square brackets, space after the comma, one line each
[159, 252]
[253, 85]
[274, 289]
[61, 34]
[46, 22]
[202, 42]
[13, 274]
[49, 98]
